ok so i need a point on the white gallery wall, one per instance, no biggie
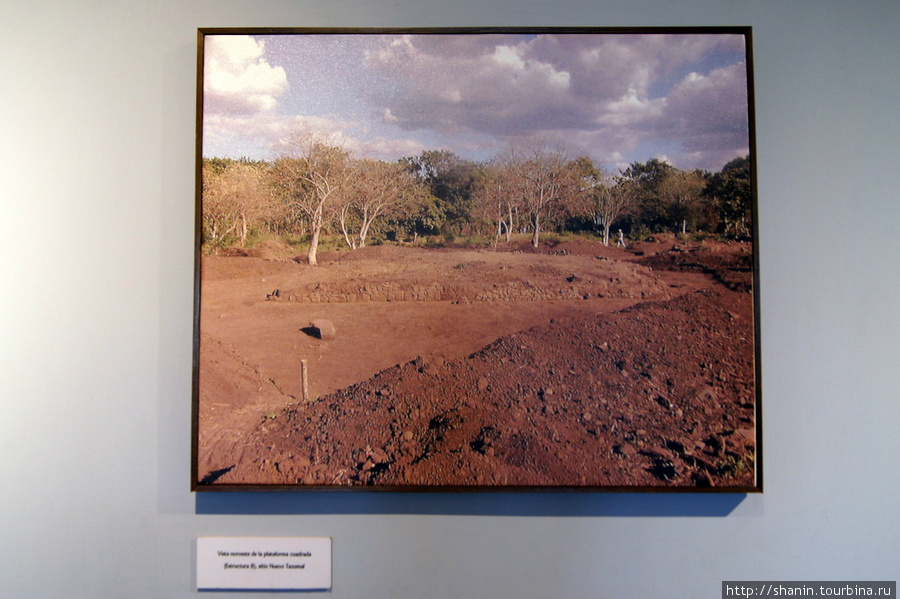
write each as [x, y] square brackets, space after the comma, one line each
[96, 296]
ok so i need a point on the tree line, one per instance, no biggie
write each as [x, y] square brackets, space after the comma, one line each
[319, 188]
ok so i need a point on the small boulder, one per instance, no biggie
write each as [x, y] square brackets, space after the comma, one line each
[323, 329]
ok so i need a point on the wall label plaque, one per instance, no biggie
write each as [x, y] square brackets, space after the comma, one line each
[263, 563]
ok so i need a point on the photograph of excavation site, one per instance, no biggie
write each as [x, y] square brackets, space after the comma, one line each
[486, 260]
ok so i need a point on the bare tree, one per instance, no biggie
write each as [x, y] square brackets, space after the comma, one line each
[682, 191]
[496, 198]
[345, 209]
[235, 199]
[376, 189]
[310, 178]
[614, 201]
[610, 201]
[598, 196]
[217, 211]
[544, 180]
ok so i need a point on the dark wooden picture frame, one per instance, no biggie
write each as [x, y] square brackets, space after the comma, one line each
[476, 259]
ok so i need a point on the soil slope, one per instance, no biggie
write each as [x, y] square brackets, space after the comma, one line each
[577, 365]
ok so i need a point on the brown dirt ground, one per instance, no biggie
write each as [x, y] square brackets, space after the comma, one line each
[573, 365]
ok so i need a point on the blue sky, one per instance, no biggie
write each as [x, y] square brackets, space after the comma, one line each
[617, 98]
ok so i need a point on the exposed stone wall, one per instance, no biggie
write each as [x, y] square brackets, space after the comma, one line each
[509, 291]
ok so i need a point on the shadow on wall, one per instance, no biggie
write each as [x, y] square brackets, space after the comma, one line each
[661, 505]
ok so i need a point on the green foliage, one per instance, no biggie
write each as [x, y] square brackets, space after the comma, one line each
[427, 218]
[477, 240]
[551, 238]
[584, 225]
[651, 210]
[640, 232]
[451, 181]
[331, 243]
[731, 195]
[460, 202]
[217, 165]
[432, 241]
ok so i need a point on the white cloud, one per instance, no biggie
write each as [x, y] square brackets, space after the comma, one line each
[708, 116]
[268, 136]
[713, 102]
[388, 149]
[630, 110]
[389, 117]
[477, 83]
[237, 78]
[264, 134]
[617, 98]
[507, 56]
[571, 85]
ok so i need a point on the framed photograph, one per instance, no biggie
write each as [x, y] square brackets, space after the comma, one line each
[476, 259]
